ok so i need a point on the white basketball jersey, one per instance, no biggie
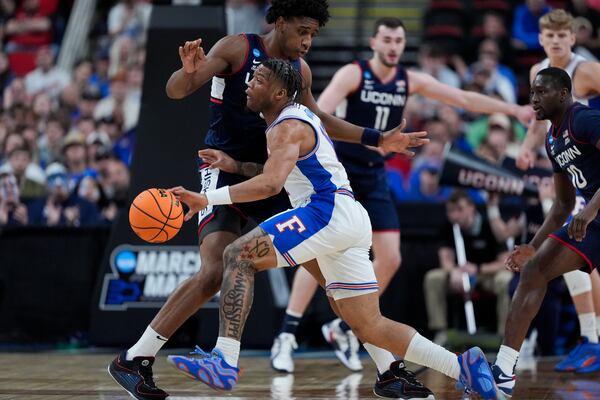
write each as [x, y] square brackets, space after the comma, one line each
[574, 62]
[319, 171]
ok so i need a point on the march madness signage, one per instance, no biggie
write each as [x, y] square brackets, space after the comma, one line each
[144, 276]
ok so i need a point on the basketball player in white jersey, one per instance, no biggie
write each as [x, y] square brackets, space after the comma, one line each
[326, 224]
[557, 37]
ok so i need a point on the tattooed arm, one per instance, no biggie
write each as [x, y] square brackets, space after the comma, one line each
[286, 141]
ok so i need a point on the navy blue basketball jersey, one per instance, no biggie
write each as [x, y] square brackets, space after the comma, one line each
[233, 128]
[375, 104]
[572, 148]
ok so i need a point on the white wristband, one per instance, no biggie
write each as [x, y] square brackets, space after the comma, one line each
[493, 212]
[218, 196]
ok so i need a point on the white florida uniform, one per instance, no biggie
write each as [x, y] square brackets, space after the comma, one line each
[326, 222]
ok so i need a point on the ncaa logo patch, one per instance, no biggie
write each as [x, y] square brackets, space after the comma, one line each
[367, 75]
[125, 262]
[256, 53]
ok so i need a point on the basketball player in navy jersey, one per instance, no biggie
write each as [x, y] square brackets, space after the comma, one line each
[557, 37]
[573, 146]
[239, 132]
[373, 93]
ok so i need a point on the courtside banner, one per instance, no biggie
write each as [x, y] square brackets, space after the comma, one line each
[470, 171]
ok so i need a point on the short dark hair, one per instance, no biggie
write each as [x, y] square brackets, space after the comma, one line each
[285, 72]
[559, 77]
[389, 22]
[459, 194]
[315, 9]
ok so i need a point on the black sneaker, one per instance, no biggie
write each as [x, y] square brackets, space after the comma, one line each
[400, 383]
[135, 376]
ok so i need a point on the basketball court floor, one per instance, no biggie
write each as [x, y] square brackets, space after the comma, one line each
[83, 376]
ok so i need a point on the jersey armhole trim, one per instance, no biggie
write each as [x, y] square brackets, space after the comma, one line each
[360, 83]
[243, 63]
[571, 127]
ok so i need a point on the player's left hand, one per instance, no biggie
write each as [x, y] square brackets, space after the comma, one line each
[194, 201]
[579, 223]
[398, 142]
[218, 159]
[525, 114]
[519, 256]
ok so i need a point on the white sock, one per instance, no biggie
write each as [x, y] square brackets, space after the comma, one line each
[230, 349]
[507, 359]
[424, 352]
[598, 325]
[587, 326]
[148, 345]
[382, 358]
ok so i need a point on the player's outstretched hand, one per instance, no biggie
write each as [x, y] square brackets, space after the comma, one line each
[397, 141]
[579, 223]
[194, 201]
[218, 159]
[525, 114]
[192, 55]
[519, 256]
[525, 158]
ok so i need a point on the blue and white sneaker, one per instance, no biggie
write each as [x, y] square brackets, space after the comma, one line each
[209, 368]
[345, 344]
[476, 375]
[590, 359]
[505, 383]
[577, 357]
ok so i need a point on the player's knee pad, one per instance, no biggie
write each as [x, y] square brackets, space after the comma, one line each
[578, 282]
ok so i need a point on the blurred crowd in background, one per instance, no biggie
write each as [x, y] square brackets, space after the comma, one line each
[66, 137]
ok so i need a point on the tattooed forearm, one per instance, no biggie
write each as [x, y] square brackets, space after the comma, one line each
[236, 298]
[249, 169]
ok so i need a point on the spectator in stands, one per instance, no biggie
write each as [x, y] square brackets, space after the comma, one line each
[129, 18]
[423, 185]
[494, 28]
[62, 207]
[12, 211]
[82, 72]
[6, 75]
[88, 102]
[583, 38]
[29, 29]
[433, 60]
[245, 16]
[525, 29]
[46, 78]
[30, 177]
[30, 134]
[15, 94]
[478, 130]
[115, 179]
[89, 189]
[485, 264]
[50, 144]
[581, 8]
[98, 146]
[42, 108]
[119, 101]
[455, 126]
[99, 79]
[75, 157]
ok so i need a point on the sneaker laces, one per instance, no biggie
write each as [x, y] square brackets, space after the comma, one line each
[408, 375]
[287, 343]
[199, 352]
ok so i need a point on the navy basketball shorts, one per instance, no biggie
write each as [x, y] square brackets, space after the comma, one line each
[374, 195]
[588, 248]
[234, 217]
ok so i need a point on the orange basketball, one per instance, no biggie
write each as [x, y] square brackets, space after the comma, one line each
[156, 215]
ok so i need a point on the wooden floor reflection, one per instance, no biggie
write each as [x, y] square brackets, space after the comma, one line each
[54, 376]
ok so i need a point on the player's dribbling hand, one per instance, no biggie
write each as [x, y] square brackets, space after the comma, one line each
[218, 159]
[579, 223]
[398, 142]
[519, 256]
[192, 55]
[194, 201]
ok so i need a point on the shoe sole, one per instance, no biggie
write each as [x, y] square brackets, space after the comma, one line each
[430, 397]
[284, 371]
[119, 383]
[197, 379]
[338, 353]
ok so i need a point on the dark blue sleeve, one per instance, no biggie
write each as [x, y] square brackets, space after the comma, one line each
[586, 126]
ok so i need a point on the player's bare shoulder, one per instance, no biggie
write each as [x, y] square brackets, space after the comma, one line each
[291, 131]
[535, 68]
[586, 80]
